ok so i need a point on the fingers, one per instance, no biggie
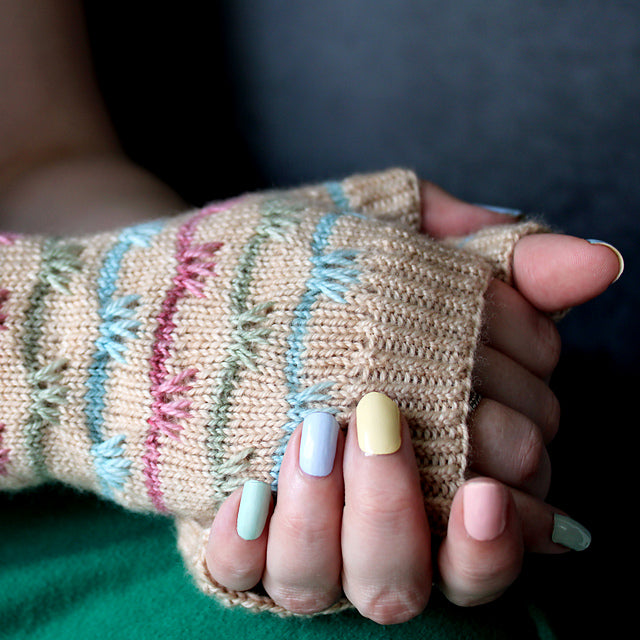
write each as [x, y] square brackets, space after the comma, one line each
[381, 538]
[483, 550]
[385, 535]
[554, 272]
[515, 328]
[304, 559]
[509, 447]
[310, 538]
[546, 529]
[490, 528]
[443, 215]
[296, 553]
[235, 561]
[519, 413]
[499, 378]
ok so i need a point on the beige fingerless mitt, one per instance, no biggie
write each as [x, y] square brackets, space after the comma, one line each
[162, 365]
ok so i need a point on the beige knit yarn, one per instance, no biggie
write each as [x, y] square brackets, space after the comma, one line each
[164, 364]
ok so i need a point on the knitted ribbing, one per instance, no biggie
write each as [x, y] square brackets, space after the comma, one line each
[496, 244]
[164, 364]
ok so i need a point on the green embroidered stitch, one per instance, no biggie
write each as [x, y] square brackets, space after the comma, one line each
[59, 262]
[248, 331]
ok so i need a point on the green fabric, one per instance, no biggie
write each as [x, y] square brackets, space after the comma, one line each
[74, 566]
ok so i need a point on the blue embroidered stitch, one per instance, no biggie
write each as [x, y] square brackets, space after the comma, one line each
[340, 200]
[463, 241]
[110, 464]
[118, 324]
[331, 275]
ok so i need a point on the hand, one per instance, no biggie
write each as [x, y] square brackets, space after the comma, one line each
[362, 527]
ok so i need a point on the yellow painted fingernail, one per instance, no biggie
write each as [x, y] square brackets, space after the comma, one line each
[378, 424]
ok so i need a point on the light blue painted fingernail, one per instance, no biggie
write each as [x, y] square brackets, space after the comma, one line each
[318, 444]
[618, 255]
[569, 533]
[253, 510]
[503, 210]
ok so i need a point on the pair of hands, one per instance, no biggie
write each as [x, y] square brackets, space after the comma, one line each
[377, 550]
[362, 529]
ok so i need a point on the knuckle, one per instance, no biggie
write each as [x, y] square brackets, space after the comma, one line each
[307, 531]
[531, 458]
[301, 600]
[379, 505]
[482, 582]
[391, 605]
[234, 573]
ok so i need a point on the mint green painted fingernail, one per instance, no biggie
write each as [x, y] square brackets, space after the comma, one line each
[569, 533]
[618, 255]
[253, 510]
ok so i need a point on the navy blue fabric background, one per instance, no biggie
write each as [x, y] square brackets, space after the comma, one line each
[533, 105]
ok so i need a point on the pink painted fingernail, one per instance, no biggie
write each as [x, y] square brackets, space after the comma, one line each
[484, 510]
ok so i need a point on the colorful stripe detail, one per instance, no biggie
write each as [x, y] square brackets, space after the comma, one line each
[59, 262]
[4, 296]
[4, 453]
[462, 242]
[331, 275]
[8, 239]
[248, 331]
[169, 406]
[118, 325]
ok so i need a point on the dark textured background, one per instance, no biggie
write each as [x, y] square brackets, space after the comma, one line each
[533, 105]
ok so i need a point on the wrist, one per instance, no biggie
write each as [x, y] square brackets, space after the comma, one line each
[84, 193]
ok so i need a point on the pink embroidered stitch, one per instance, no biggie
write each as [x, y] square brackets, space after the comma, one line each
[168, 411]
[8, 238]
[169, 407]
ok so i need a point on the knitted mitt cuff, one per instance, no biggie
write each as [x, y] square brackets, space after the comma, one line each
[496, 244]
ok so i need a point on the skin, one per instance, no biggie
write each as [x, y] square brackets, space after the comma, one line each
[62, 170]
[324, 532]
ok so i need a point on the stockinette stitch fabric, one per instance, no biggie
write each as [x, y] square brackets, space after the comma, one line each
[164, 364]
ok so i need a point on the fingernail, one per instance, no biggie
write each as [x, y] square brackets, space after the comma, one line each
[618, 255]
[569, 533]
[484, 510]
[378, 424]
[505, 211]
[253, 510]
[318, 444]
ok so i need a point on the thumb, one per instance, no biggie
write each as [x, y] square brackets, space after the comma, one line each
[445, 216]
[554, 272]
